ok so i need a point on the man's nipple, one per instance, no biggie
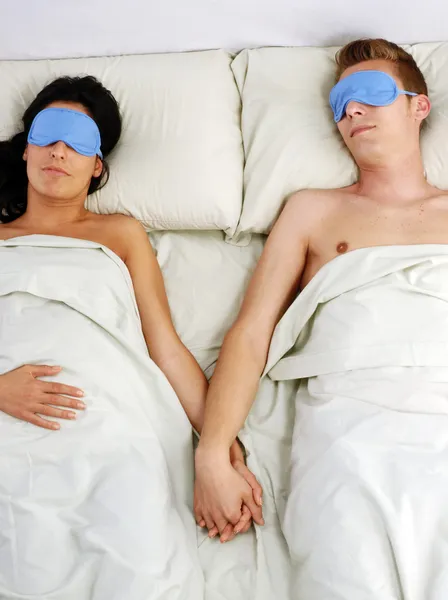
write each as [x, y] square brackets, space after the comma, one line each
[342, 247]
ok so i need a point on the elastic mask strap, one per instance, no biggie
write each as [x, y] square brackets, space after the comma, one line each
[404, 92]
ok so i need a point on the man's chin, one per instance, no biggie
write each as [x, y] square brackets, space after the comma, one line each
[364, 153]
[371, 161]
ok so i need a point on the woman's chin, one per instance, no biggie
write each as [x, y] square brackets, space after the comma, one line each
[54, 189]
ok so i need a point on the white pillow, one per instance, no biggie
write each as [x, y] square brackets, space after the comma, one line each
[179, 163]
[433, 62]
[290, 139]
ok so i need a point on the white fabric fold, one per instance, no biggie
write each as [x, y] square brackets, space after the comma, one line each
[378, 306]
[100, 510]
[367, 504]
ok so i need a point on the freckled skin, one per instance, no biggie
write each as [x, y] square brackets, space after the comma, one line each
[392, 202]
[340, 221]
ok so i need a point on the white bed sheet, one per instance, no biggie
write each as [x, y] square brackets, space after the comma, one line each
[205, 278]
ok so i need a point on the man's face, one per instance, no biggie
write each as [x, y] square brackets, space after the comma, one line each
[375, 133]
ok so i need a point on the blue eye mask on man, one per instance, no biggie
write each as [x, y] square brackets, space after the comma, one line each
[374, 88]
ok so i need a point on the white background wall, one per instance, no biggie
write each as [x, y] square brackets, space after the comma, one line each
[63, 28]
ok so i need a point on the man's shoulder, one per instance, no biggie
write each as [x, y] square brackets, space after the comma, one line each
[321, 195]
[439, 194]
[318, 202]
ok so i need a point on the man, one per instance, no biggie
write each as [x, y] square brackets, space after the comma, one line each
[379, 104]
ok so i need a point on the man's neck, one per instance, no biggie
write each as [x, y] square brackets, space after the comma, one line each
[397, 182]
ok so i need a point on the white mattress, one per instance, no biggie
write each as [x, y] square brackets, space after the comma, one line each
[67, 29]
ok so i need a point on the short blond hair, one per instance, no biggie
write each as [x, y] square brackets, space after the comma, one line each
[378, 49]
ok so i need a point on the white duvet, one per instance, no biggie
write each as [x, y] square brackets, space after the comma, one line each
[366, 510]
[360, 495]
[100, 510]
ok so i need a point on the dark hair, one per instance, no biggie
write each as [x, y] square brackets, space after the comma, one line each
[103, 109]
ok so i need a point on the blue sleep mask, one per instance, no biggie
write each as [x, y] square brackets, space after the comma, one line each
[375, 88]
[72, 127]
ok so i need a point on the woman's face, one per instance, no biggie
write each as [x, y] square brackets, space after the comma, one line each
[58, 171]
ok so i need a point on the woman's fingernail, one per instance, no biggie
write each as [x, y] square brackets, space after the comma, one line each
[80, 405]
[56, 368]
[80, 393]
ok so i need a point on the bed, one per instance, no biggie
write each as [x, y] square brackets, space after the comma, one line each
[214, 142]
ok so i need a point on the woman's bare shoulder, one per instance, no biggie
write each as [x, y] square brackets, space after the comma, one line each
[122, 227]
[9, 230]
[119, 232]
[118, 222]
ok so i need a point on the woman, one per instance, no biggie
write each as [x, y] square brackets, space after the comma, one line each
[121, 441]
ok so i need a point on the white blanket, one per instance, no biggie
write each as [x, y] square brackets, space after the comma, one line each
[100, 510]
[367, 507]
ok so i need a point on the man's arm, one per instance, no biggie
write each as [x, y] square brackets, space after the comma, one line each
[243, 357]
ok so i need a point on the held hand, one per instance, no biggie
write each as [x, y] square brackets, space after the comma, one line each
[23, 396]
[238, 463]
[220, 493]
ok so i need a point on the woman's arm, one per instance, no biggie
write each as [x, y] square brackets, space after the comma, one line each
[164, 345]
